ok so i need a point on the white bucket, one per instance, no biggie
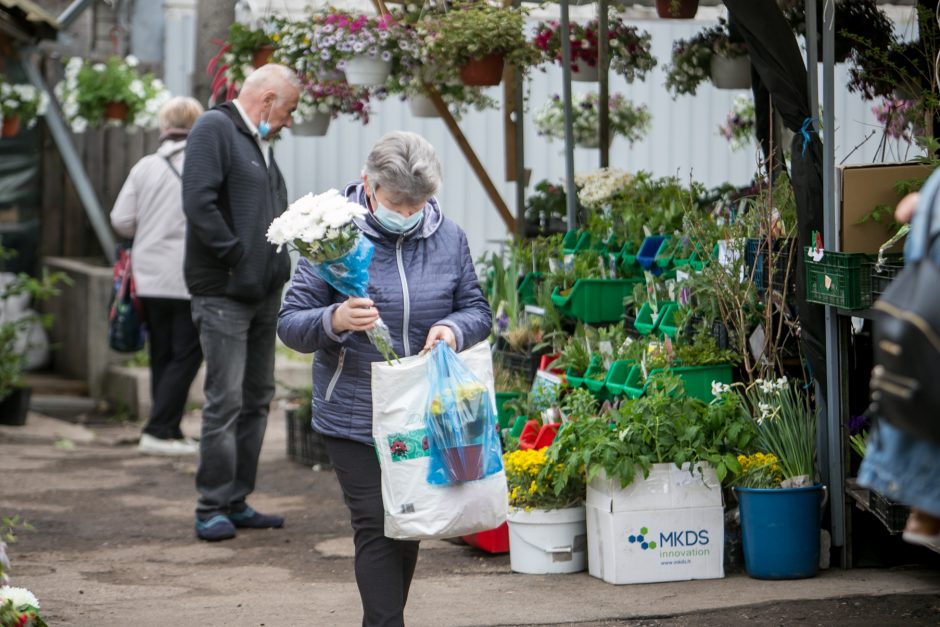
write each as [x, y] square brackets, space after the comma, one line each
[545, 541]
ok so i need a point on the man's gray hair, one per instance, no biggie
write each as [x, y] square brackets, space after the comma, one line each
[272, 76]
[404, 165]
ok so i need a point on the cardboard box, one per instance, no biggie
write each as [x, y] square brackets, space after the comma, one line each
[667, 527]
[859, 189]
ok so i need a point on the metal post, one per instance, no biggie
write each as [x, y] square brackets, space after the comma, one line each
[522, 179]
[72, 12]
[570, 189]
[833, 431]
[603, 95]
[812, 58]
[73, 163]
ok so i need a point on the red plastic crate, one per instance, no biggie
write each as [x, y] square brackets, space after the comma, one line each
[492, 540]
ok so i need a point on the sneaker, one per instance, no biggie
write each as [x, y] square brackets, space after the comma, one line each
[214, 529]
[248, 518]
[152, 445]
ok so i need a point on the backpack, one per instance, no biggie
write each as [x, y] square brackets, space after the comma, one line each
[906, 336]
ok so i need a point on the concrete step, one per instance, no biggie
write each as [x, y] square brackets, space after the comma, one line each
[65, 406]
[55, 384]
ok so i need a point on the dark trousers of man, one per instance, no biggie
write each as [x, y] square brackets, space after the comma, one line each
[238, 342]
[175, 356]
[384, 567]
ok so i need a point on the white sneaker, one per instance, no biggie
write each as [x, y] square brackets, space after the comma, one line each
[155, 446]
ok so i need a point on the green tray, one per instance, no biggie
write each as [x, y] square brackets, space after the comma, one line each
[504, 415]
[528, 287]
[645, 323]
[617, 376]
[839, 279]
[594, 300]
[697, 380]
[666, 253]
[699, 260]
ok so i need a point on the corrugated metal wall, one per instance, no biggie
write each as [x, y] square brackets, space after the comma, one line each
[683, 140]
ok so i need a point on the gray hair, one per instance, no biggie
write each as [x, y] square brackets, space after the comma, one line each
[274, 77]
[405, 165]
[179, 112]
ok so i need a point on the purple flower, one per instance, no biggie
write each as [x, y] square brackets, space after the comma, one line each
[857, 424]
[502, 322]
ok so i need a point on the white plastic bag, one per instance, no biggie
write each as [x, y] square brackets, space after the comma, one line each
[415, 509]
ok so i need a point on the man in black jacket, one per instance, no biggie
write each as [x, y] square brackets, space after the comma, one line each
[232, 190]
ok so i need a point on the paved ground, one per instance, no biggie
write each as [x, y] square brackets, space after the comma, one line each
[114, 546]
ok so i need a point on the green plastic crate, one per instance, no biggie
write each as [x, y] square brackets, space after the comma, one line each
[697, 380]
[504, 415]
[839, 279]
[666, 320]
[518, 425]
[576, 379]
[617, 376]
[594, 300]
[527, 287]
[597, 386]
[699, 259]
[645, 323]
[666, 253]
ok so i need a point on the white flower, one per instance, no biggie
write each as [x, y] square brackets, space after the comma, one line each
[719, 388]
[137, 88]
[98, 67]
[782, 383]
[79, 124]
[19, 596]
[765, 412]
[766, 387]
[131, 60]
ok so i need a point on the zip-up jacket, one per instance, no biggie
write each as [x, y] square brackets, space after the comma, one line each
[417, 280]
[230, 198]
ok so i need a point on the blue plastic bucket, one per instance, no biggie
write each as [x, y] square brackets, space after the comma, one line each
[780, 531]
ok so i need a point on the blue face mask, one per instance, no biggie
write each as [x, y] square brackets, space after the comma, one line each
[395, 222]
[263, 129]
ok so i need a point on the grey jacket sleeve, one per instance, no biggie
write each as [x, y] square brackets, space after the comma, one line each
[305, 322]
[203, 177]
[472, 319]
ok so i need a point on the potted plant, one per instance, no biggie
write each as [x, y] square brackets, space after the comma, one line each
[15, 338]
[546, 517]
[739, 124]
[629, 48]
[710, 54]
[322, 101]
[780, 500]
[677, 9]
[478, 38]
[304, 445]
[456, 420]
[625, 119]
[546, 210]
[20, 105]
[113, 92]
[245, 48]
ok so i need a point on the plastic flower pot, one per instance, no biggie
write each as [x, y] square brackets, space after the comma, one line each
[584, 73]
[115, 111]
[731, 72]
[464, 463]
[262, 55]
[314, 126]
[649, 249]
[780, 531]
[594, 300]
[547, 541]
[11, 126]
[485, 71]
[676, 9]
[422, 106]
[368, 71]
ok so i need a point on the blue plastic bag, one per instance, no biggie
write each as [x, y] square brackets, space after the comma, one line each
[463, 435]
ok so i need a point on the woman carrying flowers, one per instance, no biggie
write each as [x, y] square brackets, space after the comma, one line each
[422, 282]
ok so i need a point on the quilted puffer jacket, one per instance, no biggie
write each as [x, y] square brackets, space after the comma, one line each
[417, 280]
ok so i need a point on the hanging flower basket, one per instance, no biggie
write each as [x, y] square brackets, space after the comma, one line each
[115, 111]
[262, 55]
[595, 141]
[585, 73]
[367, 71]
[422, 106]
[11, 126]
[677, 9]
[731, 73]
[483, 72]
[315, 125]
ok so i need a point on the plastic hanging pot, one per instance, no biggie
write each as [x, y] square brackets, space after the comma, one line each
[676, 9]
[483, 72]
[731, 72]
[314, 126]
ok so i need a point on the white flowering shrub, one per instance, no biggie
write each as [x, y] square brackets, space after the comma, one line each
[88, 88]
[22, 101]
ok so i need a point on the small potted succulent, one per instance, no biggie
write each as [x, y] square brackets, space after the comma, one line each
[629, 48]
[113, 92]
[626, 119]
[479, 39]
[20, 106]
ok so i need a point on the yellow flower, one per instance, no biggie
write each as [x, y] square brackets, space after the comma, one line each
[276, 37]
[436, 406]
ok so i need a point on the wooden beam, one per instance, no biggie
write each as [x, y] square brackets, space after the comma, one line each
[471, 157]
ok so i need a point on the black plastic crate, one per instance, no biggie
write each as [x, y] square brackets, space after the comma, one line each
[891, 513]
[756, 260]
[526, 364]
[718, 331]
[883, 273]
[304, 445]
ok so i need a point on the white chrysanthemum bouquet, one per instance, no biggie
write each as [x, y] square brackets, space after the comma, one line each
[321, 229]
[19, 606]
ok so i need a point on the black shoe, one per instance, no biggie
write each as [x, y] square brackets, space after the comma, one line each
[248, 518]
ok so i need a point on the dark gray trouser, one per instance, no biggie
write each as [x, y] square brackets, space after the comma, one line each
[384, 567]
[238, 343]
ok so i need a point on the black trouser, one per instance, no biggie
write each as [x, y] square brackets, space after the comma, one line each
[175, 357]
[384, 567]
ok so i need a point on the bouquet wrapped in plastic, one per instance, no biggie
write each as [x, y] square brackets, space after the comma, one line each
[321, 229]
[461, 422]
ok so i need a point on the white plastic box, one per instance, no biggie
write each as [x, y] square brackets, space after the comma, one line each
[668, 527]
